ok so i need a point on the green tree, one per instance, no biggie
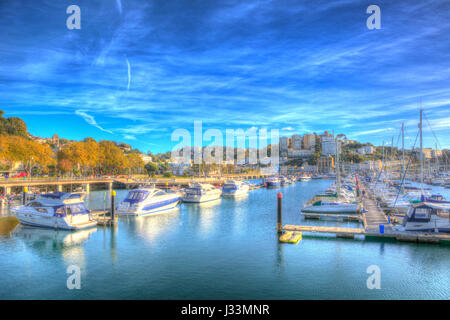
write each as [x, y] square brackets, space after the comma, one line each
[151, 168]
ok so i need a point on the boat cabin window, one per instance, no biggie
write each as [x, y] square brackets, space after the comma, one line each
[34, 204]
[42, 210]
[136, 195]
[422, 213]
[77, 208]
[60, 210]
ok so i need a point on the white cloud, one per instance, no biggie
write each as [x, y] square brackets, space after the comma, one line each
[90, 119]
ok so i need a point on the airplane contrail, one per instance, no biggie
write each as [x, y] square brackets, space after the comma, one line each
[129, 75]
[119, 6]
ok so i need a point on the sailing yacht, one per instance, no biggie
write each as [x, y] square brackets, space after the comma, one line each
[331, 207]
[428, 216]
[338, 200]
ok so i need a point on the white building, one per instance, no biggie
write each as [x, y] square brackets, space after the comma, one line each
[328, 145]
[366, 150]
[300, 153]
[146, 158]
[179, 168]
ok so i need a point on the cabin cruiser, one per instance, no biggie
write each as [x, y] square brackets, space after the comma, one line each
[273, 182]
[304, 178]
[147, 201]
[235, 189]
[58, 210]
[322, 206]
[428, 216]
[201, 193]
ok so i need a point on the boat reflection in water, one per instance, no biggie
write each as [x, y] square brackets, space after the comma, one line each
[153, 227]
[203, 216]
[45, 241]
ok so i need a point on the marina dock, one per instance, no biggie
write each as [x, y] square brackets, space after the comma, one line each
[371, 217]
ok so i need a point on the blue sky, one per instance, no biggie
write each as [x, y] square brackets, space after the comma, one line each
[137, 70]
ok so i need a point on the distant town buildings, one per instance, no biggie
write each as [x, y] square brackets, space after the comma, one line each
[428, 153]
[146, 158]
[325, 164]
[124, 147]
[309, 141]
[53, 140]
[296, 142]
[328, 145]
[284, 146]
[366, 150]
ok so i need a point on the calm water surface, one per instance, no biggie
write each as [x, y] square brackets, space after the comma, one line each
[226, 249]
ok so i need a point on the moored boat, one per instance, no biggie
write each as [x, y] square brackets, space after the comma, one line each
[273, 182]
[58, 210]
[199, 192]
[331, 207]
[148, 201]
[428, 216]
[235, 189]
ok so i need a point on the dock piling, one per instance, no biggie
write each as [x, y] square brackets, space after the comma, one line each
[113, 205]
[24, 195]
[279, 212]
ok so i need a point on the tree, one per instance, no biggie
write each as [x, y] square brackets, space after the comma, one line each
[12, 126]
[65, 165]
[151, 168]
[135, 162]
[30, 153]
[112, 159]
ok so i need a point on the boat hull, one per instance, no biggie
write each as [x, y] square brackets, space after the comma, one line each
[152, 209]
[201, 198]
[331, 209]
[54, 222]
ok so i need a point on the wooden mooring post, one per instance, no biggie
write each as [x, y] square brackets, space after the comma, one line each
[279, 212]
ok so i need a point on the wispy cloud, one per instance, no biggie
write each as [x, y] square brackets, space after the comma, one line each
[230, 64]
[90, 119]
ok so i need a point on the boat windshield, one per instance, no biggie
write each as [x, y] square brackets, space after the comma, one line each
[136, 195]
[195, 191]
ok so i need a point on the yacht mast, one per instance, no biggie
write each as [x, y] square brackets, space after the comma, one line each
[421, 152]
[403, 147]
[338, 173]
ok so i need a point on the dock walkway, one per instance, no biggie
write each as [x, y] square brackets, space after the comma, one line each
[373, 216]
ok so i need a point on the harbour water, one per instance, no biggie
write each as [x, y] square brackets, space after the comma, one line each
[226, 249]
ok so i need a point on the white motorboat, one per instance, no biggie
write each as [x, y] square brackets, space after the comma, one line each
[148, 201]
[273, 182]
[331, 207]
[57, 210]
[428, 216]
[304, 178]
[235, 189]
[201, 192]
